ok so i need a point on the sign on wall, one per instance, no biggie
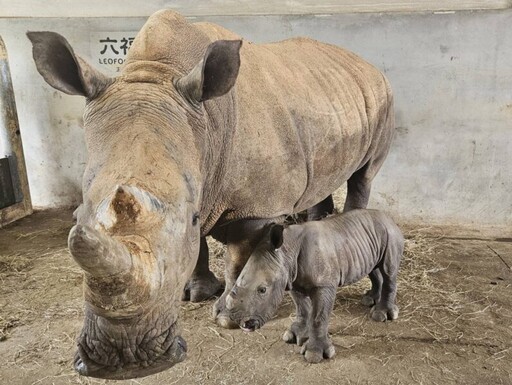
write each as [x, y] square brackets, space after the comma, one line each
[109, 49]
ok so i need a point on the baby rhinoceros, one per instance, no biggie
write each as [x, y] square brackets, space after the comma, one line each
[312, 259]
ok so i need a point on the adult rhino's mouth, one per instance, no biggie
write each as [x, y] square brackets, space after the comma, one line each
[103, 354]
[175, 354]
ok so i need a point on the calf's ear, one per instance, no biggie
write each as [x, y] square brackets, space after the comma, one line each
[62, 69]
[276, 236]
[215, 74]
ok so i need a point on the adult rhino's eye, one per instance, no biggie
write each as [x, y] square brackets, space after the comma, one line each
[195, 218]
[262, 289]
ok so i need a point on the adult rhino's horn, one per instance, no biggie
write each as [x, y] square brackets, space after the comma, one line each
[98, 254]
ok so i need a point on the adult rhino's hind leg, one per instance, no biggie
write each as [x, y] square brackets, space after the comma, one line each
[360, 183]
[358, 190]
[321, 209]
[202, 284]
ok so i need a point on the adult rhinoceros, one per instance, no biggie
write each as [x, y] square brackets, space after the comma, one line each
[201, 135]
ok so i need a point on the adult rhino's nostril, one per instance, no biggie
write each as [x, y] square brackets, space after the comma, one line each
[179, 349]
[79, 365]
[181, 343]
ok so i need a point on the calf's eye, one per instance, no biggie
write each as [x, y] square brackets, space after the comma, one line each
[262, 290]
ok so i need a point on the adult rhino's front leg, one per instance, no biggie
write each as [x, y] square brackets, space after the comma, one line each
[202, 284]
[241, 239]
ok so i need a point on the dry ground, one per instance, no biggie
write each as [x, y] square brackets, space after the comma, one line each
[455, 325]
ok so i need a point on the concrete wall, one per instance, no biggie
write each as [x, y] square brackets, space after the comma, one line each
[452, 78]
[137, 8]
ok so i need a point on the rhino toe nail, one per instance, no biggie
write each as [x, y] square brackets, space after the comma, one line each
[393, 313]
[288, 337]
[377, 314]
[313, 357]
[330, 352]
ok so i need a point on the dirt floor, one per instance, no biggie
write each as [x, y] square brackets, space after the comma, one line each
[455, 325]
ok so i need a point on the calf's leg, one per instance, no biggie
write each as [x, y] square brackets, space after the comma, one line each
[318, 345]
[386, 307]
[299, 330]
[372, 296]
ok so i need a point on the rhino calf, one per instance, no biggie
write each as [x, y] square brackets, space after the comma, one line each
[312, 259]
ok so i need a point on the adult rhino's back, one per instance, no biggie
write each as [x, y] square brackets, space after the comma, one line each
[309, 115]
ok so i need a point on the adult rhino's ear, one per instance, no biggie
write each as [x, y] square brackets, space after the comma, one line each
[215, 74]
[276, 236]
[62, 69]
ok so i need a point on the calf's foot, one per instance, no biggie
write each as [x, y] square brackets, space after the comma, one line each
[316, 351]
[201, 288]
[382, 313]
[298, 333]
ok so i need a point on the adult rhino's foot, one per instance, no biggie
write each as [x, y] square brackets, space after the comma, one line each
[381, 313]
[200, 288]
[316, 351]
[297, 334]
[221, 314]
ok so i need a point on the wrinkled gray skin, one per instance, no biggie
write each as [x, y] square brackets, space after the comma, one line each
[312, 260]
[189, 141]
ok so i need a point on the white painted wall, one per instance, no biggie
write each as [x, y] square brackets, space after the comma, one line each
[452, 78]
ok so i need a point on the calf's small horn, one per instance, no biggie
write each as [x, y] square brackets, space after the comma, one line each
[97, 253]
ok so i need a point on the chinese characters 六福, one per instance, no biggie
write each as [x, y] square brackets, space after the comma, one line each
[113, 51]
